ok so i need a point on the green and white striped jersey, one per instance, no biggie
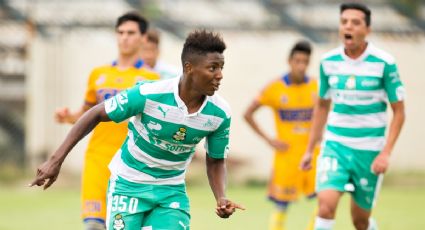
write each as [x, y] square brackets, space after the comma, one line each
[162, 135]
[359, 90]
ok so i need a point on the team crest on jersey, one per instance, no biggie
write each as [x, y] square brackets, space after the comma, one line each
[180, 134]
[118, 222]
[351, 82]
[284, 99]
[119, 80]
[101, 79]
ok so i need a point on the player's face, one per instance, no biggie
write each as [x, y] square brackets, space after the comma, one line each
[149, 53]
[298, 63]
[129, 38]
[207, 73]
[353, 29]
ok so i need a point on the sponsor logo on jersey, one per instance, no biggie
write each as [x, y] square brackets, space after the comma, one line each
[180, 135]
[369, 83]
[118, 222]
[164, 112]
[209, 123]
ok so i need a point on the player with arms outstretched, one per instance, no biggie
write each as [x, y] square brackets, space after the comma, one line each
[168, 119]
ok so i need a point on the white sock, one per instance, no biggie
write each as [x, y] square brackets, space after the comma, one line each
[372, 224]
[323, 224]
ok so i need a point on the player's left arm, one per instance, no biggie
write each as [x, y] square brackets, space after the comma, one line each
[396, 95]
[217, 146]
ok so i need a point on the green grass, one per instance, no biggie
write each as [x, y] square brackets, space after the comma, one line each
[58, 208]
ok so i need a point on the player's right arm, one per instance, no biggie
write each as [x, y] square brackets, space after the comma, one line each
[249, 118]
[48, 172]
[118, 108]
[64, 115]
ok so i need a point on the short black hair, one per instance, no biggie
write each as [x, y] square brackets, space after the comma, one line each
[135, 17]
[301, 46]
[357, 6]
[201, 42]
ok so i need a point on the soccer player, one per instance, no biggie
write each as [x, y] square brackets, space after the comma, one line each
[291, 97]
[150, 54]
[359, 79]
[167, 119]
[104, 82]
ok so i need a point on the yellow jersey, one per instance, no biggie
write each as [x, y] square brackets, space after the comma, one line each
[104, 82]
[292, 105]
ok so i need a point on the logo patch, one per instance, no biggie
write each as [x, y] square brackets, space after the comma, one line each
[351, 82]
[180, 134]
[118, 222]
[164, 112]
[175, 205]
[154, 126]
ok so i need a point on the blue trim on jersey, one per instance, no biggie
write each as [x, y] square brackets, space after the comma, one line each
[99, 220]
[288, 82]
[139, 63]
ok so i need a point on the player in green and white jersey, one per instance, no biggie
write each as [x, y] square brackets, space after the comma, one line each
[167, 119]
[359, 79]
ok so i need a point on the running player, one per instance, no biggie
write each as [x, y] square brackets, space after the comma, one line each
[359, 79]
[167, 119]
[150, 54]
[291, 97]
[104, 82]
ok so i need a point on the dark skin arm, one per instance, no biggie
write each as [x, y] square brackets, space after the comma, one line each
[216, 171]
[48, 172]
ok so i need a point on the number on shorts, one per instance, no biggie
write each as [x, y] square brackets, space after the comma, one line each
[119, 203]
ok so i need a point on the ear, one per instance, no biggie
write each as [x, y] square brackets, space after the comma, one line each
[187, 67]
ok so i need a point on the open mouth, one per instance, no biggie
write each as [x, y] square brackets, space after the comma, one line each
[348, 37]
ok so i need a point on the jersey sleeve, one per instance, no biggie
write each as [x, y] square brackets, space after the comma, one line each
[266, 96]
[125, 104]
[217, 143]
[90, 95]
[392, 83]
[323, 84]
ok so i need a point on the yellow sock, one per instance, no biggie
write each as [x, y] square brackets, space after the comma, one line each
[277, 220]
[310, 225]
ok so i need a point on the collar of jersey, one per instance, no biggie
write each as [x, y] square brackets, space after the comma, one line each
[287, 80]
[138, 64]
[360, 58]
[180, 103]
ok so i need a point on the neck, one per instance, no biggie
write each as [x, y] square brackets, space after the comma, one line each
[192, 99]
[296, 79]
[356, 52]
[127, 61]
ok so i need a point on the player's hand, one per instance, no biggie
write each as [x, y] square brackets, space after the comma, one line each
[62, 115]
[225, 208]
[47, 173]
[381, 162]
[278, 145]
[306, 161]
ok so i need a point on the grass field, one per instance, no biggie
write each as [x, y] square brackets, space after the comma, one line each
[23, 208]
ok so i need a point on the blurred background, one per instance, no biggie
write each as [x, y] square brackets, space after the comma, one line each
[48, 48]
